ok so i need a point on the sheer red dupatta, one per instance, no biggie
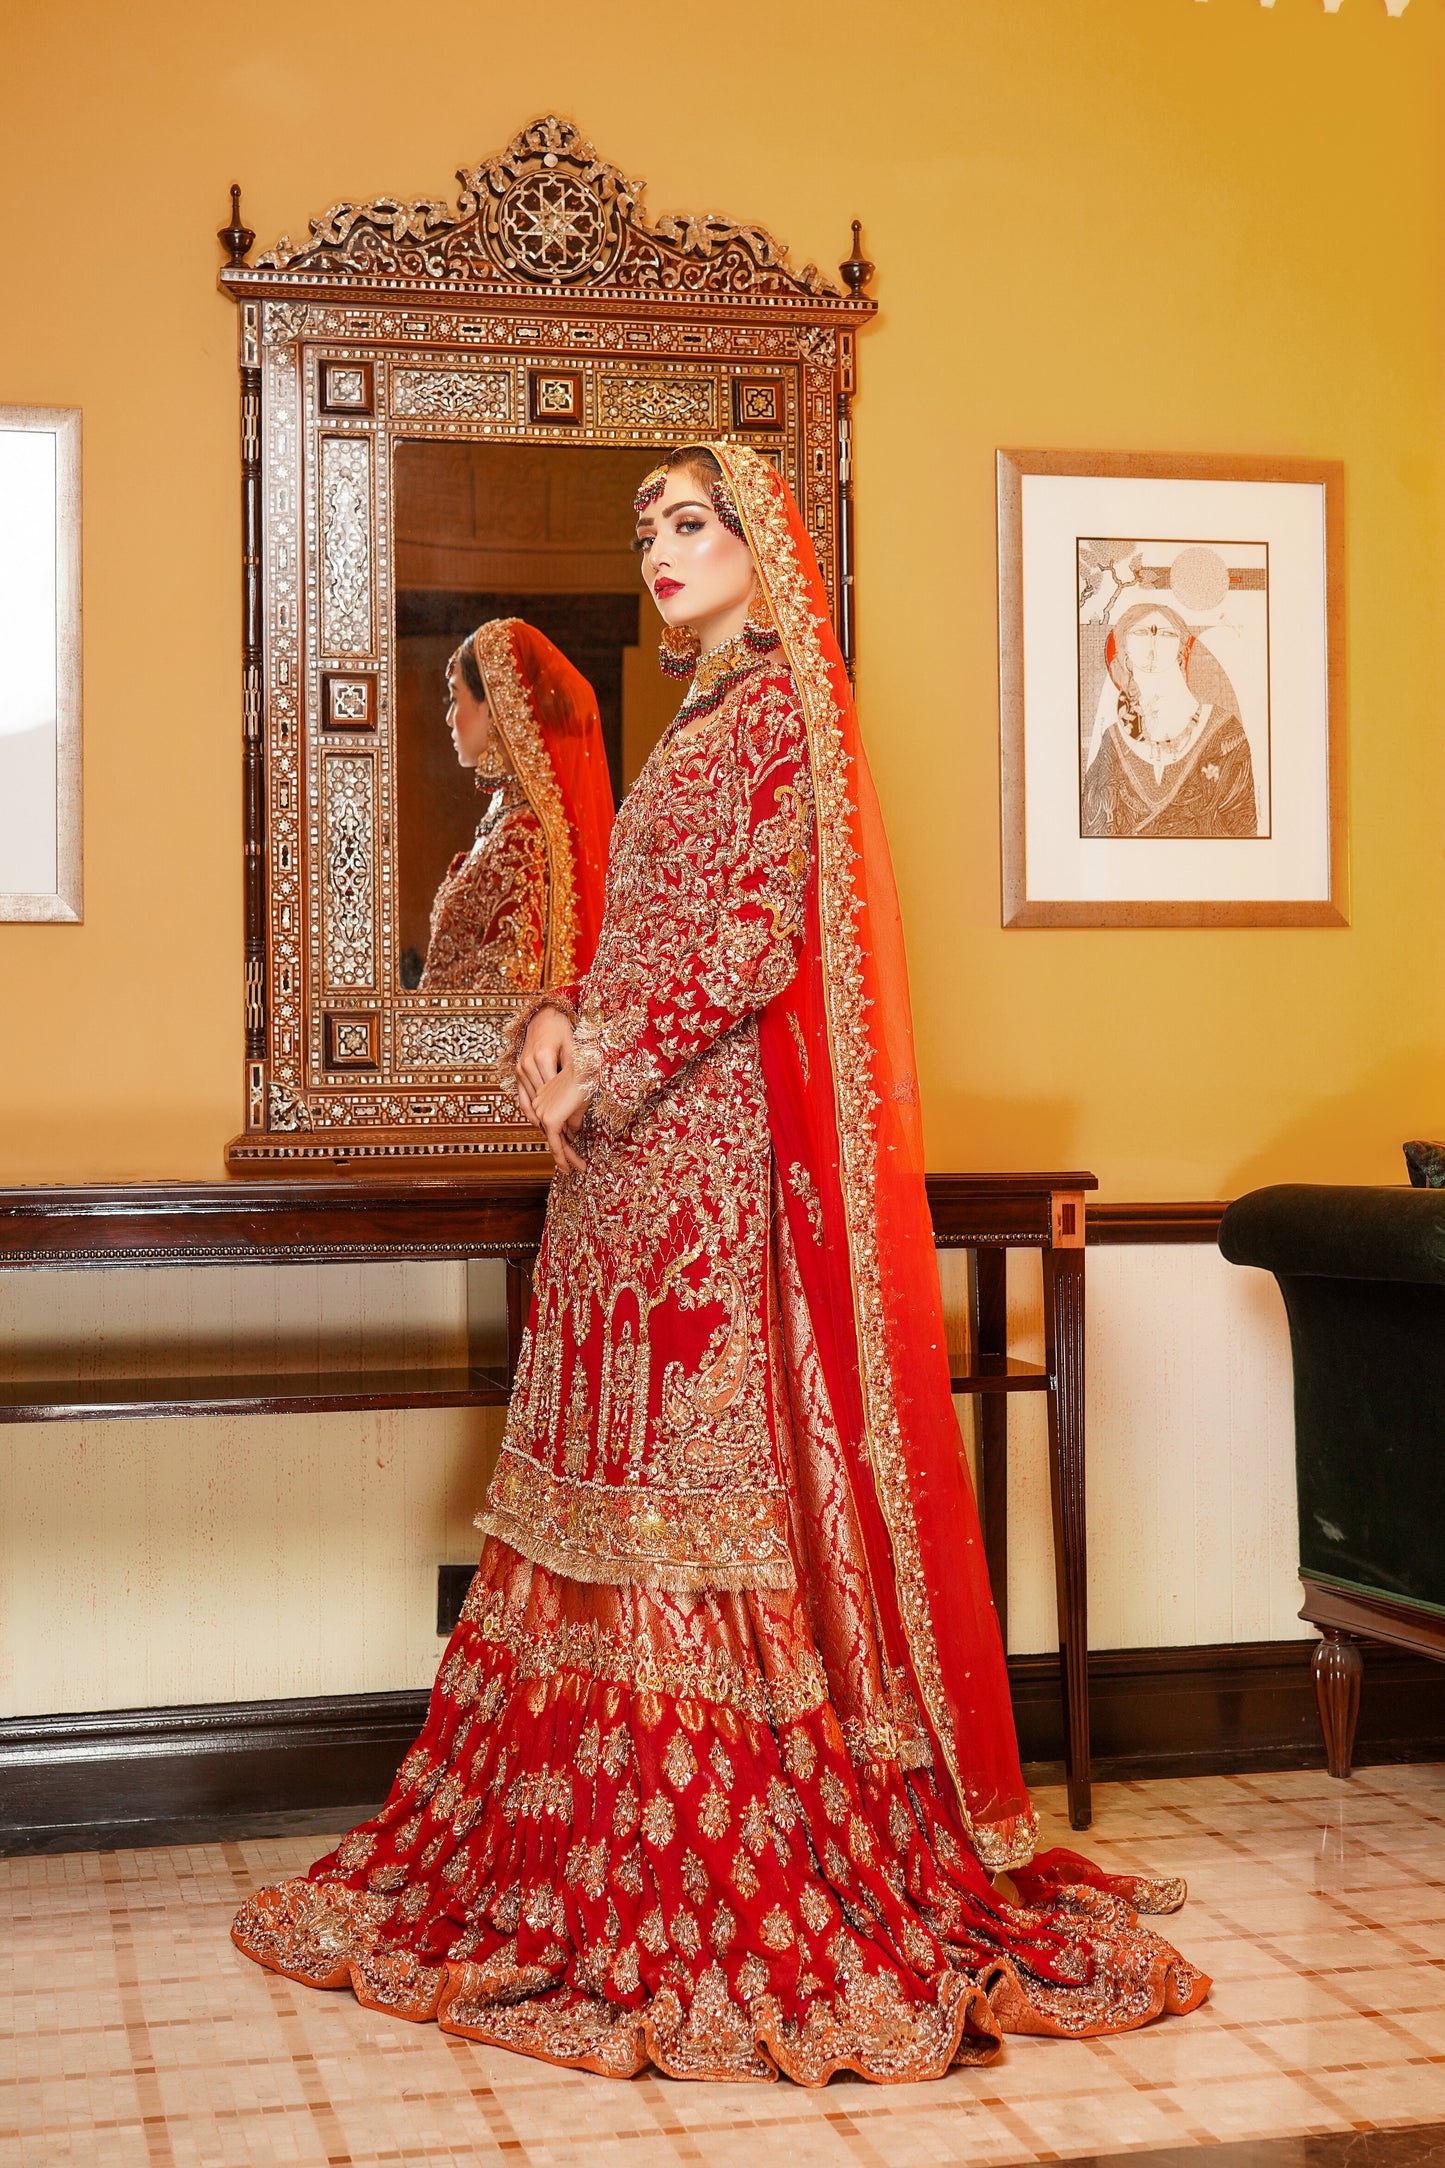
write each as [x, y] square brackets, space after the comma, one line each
[843, 1107]
[547, 715]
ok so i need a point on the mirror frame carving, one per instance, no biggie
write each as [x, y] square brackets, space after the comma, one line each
[545, 306]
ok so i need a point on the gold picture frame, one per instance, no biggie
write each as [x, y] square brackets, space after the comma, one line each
[1171, 690]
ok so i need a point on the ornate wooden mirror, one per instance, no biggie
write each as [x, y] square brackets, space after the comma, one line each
[444, 415]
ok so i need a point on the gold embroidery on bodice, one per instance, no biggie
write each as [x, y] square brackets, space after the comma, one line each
[641, 1440]
[489, 916]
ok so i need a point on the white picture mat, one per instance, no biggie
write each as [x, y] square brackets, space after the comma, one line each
[1293, 863]
[29, 687]
[39, 663]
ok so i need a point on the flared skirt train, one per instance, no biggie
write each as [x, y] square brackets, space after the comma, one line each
[631, 1832]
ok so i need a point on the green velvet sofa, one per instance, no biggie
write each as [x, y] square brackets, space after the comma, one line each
[1362, 1273]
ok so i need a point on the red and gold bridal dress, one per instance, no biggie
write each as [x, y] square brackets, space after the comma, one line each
[720, 1763]
[521, 908]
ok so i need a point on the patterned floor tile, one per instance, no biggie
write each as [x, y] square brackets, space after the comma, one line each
[133, 2036]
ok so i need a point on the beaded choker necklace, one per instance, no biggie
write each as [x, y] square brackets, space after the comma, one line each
[721, 669]
[501, 794]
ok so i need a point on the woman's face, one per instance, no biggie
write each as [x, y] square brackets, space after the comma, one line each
[474, 734]
[1152, 646]
[697, 571]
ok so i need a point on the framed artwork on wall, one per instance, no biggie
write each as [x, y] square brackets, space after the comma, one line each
[1171, 670]
[40, 681]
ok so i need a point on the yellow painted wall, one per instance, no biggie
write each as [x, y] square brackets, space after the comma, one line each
[1141, 224]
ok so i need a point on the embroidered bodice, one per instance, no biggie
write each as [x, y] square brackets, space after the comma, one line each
[640, 1443]
[704, 893]
[489, 916]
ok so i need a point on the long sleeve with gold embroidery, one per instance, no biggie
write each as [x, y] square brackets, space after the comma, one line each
[704, 911]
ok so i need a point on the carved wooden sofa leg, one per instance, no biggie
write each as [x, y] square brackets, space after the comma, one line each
[1337, 1670]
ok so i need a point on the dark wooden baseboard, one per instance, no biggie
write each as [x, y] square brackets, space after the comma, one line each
[1224, 1709]
[159, 1776]
[164, 1776]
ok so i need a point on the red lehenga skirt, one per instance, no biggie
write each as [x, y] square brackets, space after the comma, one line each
[631, 1833]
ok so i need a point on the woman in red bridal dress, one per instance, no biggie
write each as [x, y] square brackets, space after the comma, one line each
[521, 909]
[719, 1772]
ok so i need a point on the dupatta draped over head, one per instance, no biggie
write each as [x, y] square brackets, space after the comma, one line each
[837, 1052]
[546, 714]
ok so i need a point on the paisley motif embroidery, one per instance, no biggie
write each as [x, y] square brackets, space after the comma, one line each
[562, 1875]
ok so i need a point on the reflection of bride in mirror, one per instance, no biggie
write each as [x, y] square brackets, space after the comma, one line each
[521, 908]
[1169, 755]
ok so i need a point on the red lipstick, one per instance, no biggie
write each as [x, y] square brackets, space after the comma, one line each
[664, 587]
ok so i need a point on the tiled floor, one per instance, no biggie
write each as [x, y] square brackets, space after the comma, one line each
[132, 2034]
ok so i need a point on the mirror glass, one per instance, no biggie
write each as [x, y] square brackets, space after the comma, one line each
[542, 532]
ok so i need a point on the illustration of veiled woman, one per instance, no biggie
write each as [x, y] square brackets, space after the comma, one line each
[521, 908]
[1170, 757]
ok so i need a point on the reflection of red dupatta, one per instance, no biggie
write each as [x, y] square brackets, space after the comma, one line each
[838, 1060]
[547, 714]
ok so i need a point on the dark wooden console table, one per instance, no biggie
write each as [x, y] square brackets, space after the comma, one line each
[378, 1218]
[343, 1220]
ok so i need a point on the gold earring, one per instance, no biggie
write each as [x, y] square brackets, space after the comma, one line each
[760, 628]
[679, 650]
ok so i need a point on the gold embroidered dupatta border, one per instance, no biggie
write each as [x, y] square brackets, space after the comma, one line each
[762, 503]
[511, 706]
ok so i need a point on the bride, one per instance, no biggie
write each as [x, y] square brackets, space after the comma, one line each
[522, 906]
[719, 1771]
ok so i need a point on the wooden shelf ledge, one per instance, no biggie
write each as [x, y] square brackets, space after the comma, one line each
[51, 1400]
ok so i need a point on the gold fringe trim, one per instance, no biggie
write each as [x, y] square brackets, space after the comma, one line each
[689, 1580]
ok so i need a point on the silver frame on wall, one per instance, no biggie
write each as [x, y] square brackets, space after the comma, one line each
[63, 904]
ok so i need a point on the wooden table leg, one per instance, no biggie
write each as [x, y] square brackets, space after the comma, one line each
[988, 1294]
[1064, 1334]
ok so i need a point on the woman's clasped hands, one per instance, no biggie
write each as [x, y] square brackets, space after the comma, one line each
[550, 1092]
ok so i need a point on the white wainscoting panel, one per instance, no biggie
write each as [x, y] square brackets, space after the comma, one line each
[155, 1562]
[146, 1563]
[1190, 1453]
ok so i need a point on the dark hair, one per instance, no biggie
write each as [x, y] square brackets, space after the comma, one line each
[698, 460]
[464, 661]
